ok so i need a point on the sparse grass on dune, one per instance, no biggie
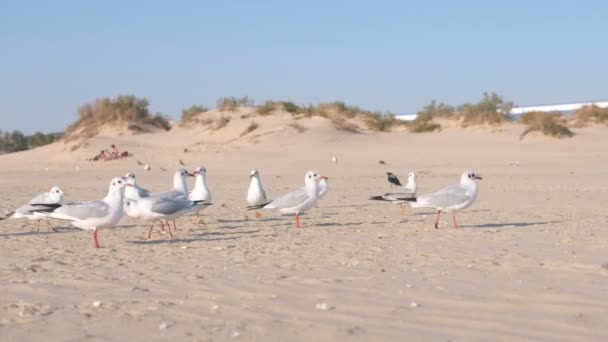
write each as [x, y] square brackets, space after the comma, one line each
[230, 104]
[587, 115]
[189, 115]
[549, 124]
[491, 109]
[252, 127]
[122, 109]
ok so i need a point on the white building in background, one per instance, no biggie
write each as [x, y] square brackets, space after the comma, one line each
[567, 108]
[562, 108]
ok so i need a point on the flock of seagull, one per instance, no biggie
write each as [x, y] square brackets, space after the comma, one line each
[125, 196]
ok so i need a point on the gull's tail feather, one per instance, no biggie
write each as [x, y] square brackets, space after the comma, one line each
[45, 208]
[202, 202]
[259, 206]
[378, 198]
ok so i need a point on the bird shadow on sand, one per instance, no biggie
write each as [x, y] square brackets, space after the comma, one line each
[338, 224]
[269, 219]
[178, 240]
[420, 213]
[55, 230]
[511, 224]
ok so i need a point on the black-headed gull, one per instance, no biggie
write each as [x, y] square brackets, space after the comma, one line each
[201, 191]
[393, 179]
[160, 208]
[33, 209]
[398, 196]
[256, 194]
[134, 191]
[95, 214]
[452, 198]
[297, 201]
[180, 185]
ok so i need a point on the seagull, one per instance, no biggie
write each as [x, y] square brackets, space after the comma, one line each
[323, 186]
[297, 201]
[452, 198]
[180, 185]
[95, 214]
[393, 179]
[399, 196]
[256, 194]
[32, 210]
[160, 208]
[200, 192]
[134, 191]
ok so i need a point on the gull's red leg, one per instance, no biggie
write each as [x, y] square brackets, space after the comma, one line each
[174, 226]
[162, 225]
[95, 238]
[454, 218]
[437, 221]
[258, 214]
[38, 226]
[298, 220]
[150, 232]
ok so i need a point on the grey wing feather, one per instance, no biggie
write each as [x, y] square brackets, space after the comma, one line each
[170, 206]
[448, 196]
[42, 198]
[290, 199]
[83, 211]
[143, 192]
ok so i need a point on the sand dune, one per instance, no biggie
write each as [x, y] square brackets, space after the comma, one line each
[529, 262]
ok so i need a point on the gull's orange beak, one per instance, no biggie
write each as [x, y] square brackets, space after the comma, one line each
[127, 184]
[323, 177]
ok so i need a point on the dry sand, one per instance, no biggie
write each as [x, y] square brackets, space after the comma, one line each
[530, 261]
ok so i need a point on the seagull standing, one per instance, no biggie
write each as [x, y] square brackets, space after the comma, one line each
[403, 193]
[256, 194]
[95, 214]
[323, 186]
[297, 201]
[201, 191]
[180, 185]
[32, 210]
[160, 208]
[452, 198]
[134, 191]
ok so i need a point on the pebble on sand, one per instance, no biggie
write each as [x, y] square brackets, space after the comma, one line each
[96, 304]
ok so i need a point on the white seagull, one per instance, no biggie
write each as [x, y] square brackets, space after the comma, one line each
[160, 208]
[201, 191]
[402, 193]
[323, 186]
[180, 185]
[33, 209]
[452, 198]
[95, 214]
[134, 191]
[297, 201]
[256, 194]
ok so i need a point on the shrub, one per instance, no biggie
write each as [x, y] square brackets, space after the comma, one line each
[16, 141]
[299, 128]
[491, 109]
[590, 114]
[435, 110]
[126, 108]
[291, 107]
[267, 108]
[342, 125]
[189, 114]
[423, 126]
[550, 124]
[382, 122]
[252, 127]
[230, 104]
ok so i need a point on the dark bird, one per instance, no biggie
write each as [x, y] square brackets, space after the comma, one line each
[393, 179]
[139, 163]
[381, 162]
[181, 163]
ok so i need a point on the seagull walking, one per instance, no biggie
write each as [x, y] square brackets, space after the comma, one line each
[160, 208]
[95, 214]
[33, 209]
[256, 194]
[452, 199]
[297, 201]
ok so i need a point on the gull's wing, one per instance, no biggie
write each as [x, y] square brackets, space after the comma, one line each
[42, 198]
[143, 192]
[82, 211]
[446, 197]
[172, 194]
[290, 199]
[167, 206]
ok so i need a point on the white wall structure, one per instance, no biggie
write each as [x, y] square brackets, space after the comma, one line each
[563, 108]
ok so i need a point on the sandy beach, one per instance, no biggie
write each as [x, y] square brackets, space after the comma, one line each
[528, 263]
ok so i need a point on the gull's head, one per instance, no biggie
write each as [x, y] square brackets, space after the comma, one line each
[118, 184]
[130, 178]
[323, 179]
[181, 174]
[129, 205]
[389, 173]
[200, 171]
[254, 173]
[411, 176]
[469, 176]
[56, 193]
[311, 178]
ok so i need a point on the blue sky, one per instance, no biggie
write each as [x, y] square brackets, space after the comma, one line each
[380, 55]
